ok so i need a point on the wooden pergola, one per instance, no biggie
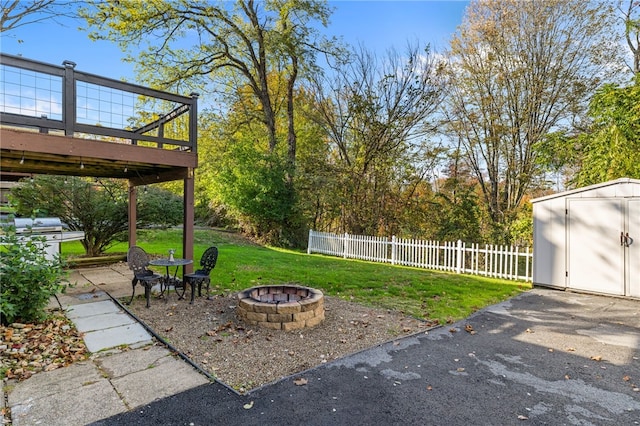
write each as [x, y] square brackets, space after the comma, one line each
[55, 120]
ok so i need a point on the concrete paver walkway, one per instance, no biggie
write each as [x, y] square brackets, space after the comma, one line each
[125, 370]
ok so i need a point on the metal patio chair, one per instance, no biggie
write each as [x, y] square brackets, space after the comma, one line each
[202, 275]
[138, 261]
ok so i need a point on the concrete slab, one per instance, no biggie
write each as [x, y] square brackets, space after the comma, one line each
[54, 382]
[98, 400]
[104, 321]
[118, 289]
[91, 309]
[105, 275]
[132, 335]
[79, 288]
[76, 279]
[123, 363]
[170, 377]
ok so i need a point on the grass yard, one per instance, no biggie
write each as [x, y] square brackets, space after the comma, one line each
[434, 296]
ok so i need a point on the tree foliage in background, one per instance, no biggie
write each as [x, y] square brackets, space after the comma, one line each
[246, 180]
[18, 13]
[378, 117]
[158, 207]
[631, 20]
[610, 149]
[238, 50]
[520, 70]
[454, 211]
[99, 208]
[354, 151]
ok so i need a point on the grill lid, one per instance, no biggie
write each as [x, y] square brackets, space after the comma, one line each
[39, 225]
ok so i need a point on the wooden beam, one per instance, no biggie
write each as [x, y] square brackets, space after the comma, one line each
[76, 148]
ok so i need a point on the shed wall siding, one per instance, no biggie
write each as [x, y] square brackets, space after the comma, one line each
[551, 250]
[549, 246]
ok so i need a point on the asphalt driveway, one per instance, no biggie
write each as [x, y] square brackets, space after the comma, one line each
[544, 357]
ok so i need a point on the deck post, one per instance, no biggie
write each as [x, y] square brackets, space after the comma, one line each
[133, 214]
[188, 222]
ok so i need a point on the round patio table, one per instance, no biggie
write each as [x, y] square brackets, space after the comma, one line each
[170, 280]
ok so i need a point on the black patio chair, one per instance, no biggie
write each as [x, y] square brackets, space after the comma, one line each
[138, 261]
[202, 275]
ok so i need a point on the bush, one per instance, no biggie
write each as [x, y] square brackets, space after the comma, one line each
[99, 208]
[28, 278]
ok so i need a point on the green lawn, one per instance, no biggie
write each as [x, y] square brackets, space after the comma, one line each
[434, 296]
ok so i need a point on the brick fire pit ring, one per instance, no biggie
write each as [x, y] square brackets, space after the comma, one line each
[281, 307]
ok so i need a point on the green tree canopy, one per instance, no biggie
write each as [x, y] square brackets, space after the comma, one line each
[520, 70]
[610, 149]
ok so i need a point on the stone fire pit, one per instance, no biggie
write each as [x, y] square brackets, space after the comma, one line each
[281, 307]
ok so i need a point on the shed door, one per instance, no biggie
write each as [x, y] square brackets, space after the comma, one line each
[595, 257]
[633, 251]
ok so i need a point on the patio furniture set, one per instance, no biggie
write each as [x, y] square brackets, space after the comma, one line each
[139, 263]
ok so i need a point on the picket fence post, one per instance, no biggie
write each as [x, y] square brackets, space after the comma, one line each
[393, 250]
[309, 243]
[459, 257]
[345, 245]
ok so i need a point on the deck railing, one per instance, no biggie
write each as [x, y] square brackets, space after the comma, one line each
[60, 99]
[499, 261]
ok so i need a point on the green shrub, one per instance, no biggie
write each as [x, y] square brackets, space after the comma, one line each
[27, 278]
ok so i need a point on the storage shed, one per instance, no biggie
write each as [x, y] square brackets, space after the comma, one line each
[588, 239]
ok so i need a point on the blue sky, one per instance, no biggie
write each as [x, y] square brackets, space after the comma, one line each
[378, 25]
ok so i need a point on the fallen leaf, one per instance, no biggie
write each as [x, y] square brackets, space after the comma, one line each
[468, 328]
[528, 330]
[453, 330]
[248, 406]
[596, 358]
[301, 381]
[521, 417]
[460, 370]
[626, 378]
[429, 387]
[566, 376]
[570, 349]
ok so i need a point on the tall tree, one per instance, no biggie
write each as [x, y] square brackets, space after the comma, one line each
[18, 13]
[235, 47]
[610, 149]
[228, 49]
[520, 70]
[631, 20]
[378, 116]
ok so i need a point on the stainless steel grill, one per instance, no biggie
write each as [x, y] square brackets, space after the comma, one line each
[41, 225]
[51, 228]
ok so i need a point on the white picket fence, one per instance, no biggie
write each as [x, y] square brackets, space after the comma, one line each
[499, 261]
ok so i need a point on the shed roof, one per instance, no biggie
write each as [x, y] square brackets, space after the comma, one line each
[587, 188]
